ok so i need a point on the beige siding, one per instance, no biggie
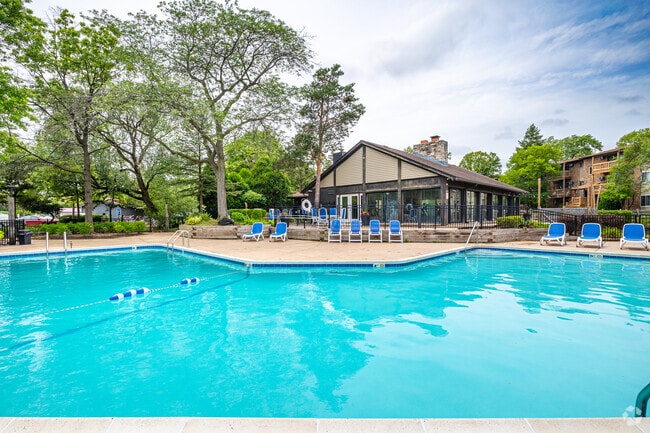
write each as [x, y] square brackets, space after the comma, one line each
[380, 167]
[327, 181]
[350, 172]
[412, 172]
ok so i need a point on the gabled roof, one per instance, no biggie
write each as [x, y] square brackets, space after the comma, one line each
[609, 152]
[449, 171]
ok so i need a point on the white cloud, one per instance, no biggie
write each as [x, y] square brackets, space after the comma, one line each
[477, 73]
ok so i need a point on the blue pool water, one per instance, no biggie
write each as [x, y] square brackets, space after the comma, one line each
[487, 334]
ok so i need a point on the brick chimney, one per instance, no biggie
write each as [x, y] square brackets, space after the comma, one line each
[433, 148]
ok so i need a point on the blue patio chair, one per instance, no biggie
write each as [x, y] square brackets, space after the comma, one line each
[314, 215]
[591, 232]
[280, 232]
[322, 217]
[255, 233]
[394, 231]
[556, 232]
[355, 231]
[634, 234]
[333, 213]
[374, 231]
[334, 233]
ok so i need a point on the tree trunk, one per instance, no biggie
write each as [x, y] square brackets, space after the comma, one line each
[88, 187]
[319, 170]
[144, 192]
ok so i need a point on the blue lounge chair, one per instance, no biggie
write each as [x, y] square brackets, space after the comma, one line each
[591, 232]
[355, 231]
[394, 231]
[556, 232]
[255, 233]
[634, 234]
[280, 232]
[322, 217]
[374, 232]
[314, 215]
[334, 233]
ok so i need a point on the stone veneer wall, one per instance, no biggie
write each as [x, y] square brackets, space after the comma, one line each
[314, 234]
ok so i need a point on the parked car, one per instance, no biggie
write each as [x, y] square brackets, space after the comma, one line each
[37, 220]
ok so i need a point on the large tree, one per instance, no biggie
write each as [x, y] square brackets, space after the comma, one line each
[534, 159]
[329, 111]
[577, 146]
[17, 23]
[484, 163]
[220, 67]
[70, 64]
[623, 187]
[532, 137]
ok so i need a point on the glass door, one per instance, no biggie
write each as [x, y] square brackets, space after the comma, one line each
[350, 202]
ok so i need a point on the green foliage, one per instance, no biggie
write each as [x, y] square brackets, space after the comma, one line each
[80, 228]
[53, 229]
[527, 165]
[511, 222]
[610, 200]
[623, 186]
[487, 164]
[532, 137]
[2, 234]
[329, 111]
[238, 217]
[253, 199]
[198, 219]
[274, 186]
[577, 146]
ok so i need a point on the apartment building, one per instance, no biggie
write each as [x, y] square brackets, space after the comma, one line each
[584, 179]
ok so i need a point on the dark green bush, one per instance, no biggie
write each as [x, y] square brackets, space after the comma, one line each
[510, 222]
[79, 228]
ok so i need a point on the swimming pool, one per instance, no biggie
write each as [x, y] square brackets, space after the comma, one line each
[487, 334]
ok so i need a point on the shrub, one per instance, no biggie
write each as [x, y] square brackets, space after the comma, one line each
[510, 222]
[198, 219]
[2, 234]
[79, 228]
[138, 226]
[104, 228]
[238, 217]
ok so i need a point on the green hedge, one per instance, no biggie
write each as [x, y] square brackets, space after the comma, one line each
[84, 228]
[513, 222]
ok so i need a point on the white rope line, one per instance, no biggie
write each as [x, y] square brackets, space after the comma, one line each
[179, 284]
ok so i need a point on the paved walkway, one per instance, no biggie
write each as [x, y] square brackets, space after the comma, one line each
[307, 251]
[312, 251]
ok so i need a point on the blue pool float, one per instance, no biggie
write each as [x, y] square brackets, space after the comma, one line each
[190, 280]
[129, 293]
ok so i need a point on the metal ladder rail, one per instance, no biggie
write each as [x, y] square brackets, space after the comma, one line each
[642, 402]
[471, 233]
[178, 234]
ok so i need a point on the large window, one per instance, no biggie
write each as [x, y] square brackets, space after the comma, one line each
[382, 205]
[645, 200]
[421, 205]
[645, 177]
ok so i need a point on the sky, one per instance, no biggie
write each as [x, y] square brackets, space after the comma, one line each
[477, 73]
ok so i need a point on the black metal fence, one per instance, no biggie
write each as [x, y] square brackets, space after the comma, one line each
[485, 217]
[10, 229]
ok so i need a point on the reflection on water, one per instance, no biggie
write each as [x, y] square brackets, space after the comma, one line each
[483, 334]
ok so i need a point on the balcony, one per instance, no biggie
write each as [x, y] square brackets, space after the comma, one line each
[603, 167]
[577, 202]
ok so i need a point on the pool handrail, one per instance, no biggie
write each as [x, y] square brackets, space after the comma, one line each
[471, 233]
[642, 402]
[178, 234]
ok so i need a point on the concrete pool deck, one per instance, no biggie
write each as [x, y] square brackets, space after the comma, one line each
[312, 251]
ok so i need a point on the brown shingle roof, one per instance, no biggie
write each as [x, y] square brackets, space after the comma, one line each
[450, 171]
